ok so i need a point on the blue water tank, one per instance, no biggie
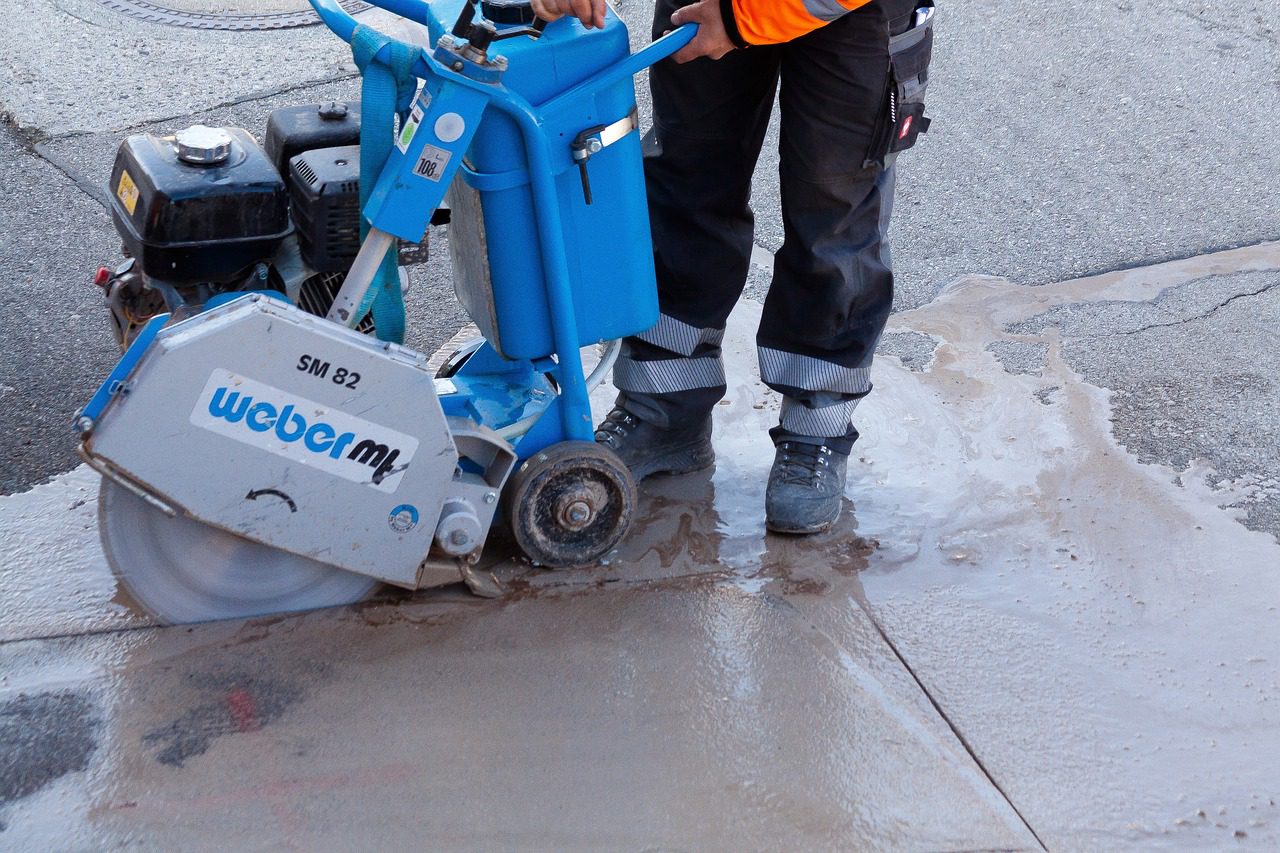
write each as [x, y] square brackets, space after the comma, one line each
[497, 260]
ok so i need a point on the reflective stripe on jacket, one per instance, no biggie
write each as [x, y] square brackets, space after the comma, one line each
[751, 22]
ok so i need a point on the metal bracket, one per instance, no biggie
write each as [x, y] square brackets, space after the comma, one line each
[593, 140]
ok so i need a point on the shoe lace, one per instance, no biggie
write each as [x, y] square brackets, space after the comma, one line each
[804, 464]
[616, 425]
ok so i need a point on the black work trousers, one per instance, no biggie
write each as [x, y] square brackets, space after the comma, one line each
[832, 285]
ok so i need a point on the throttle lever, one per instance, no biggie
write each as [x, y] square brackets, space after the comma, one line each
[462, 27]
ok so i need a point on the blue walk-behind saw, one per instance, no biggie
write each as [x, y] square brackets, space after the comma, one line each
[266, 442]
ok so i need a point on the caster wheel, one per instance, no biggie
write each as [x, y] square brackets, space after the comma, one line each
[570, 504]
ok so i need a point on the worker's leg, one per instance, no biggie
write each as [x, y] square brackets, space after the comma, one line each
[832, 287]
[710, 119]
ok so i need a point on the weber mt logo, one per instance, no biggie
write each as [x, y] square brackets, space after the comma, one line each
[304, 431]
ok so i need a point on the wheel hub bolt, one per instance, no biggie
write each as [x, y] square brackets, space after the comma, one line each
[576, 514]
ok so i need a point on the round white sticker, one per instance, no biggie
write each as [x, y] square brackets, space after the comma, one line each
[449, 127]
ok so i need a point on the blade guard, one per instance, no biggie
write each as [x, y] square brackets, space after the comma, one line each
[302, 435]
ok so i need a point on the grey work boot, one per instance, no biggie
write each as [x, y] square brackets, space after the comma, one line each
[805, 488]
[646, 449]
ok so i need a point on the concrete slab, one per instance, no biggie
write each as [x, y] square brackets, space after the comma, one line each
[1100, 630]
[671, 716]
[55, 580]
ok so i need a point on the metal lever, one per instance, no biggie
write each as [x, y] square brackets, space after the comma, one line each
[532, 32]
[462, 27]
[584, 145]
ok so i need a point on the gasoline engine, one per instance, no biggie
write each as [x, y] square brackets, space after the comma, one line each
[208, 212]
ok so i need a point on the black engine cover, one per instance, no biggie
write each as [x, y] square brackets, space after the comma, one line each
[187, 223]
[293, 130]
[325, 186]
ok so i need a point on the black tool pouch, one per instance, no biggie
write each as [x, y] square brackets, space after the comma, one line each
[902, 118]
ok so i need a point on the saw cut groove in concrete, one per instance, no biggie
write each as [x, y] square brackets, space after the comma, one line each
[197, 19]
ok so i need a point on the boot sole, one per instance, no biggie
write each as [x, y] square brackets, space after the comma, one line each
[802, 529]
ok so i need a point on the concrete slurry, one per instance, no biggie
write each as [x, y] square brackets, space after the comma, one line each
[1019, 633]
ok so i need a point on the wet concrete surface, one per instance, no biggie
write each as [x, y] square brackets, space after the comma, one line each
[709, 683]
[637, 715]
[1019, 633]
[53, 569]
[43, 736]
[555, 720]
[1079, 615]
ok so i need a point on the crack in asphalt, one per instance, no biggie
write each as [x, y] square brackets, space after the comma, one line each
[1144, 261]
[29, 141]
[1258, 34]
[1182, 322]
[95, 193]
[234, 102]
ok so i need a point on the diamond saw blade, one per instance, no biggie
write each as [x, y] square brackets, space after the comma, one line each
[181, 570]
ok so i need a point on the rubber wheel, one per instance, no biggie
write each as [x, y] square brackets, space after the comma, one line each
[571, 504]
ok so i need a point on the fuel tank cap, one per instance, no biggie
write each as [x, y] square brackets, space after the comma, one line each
[508, 11]
[203, 146]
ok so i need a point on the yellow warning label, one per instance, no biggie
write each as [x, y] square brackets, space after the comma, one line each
[127, 192]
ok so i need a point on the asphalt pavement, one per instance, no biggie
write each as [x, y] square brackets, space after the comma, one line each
[1049, 621]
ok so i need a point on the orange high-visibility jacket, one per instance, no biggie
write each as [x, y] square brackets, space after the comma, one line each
[751, 22]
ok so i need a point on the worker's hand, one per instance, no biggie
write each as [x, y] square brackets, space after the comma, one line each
[711, 40]
[590, 12]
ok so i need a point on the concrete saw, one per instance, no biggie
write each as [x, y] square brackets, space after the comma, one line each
[258, 459]
[259, 453]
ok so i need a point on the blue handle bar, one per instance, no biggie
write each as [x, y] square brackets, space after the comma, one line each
[344, 26]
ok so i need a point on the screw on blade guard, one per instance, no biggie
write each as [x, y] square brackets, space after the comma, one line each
[262, 449]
